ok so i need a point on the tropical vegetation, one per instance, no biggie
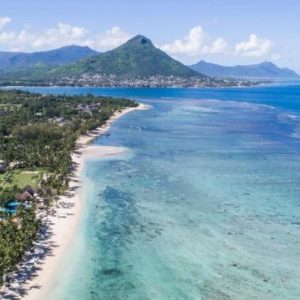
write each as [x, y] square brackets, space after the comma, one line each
[37, 136]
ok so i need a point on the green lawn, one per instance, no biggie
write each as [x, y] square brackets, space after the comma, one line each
[21, 178]
[9, 107]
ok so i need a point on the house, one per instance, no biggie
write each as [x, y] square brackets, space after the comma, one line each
[15, 164]
[26, 195]
[58, 120]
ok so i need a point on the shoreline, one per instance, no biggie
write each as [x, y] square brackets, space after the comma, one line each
[36, 275]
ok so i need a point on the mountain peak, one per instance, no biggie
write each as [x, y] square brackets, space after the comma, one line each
[73, 46]
[267, 63]
[139, 40]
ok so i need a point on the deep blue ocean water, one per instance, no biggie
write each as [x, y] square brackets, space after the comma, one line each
[204, 205]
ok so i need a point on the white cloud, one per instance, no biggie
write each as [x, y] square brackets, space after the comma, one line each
[195, 43]
[189, 45]
[255, 47]
[110, 39]
[217, 46]
[61, 35]
[276, 56]
[4, 21]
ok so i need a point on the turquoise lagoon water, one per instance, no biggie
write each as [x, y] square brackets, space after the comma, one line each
[205, 204]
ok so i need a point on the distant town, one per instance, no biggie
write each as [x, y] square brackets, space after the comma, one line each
[138, 82]
[152, 81]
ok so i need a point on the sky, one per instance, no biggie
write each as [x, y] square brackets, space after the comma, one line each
[225, 32]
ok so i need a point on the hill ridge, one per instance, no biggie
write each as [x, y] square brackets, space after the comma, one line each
[265, 69]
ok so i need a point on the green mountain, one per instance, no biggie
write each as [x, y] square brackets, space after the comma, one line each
[10, 61]
[266, 70]
[136, 58]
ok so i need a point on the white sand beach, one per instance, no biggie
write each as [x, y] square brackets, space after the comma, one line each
[63, 223]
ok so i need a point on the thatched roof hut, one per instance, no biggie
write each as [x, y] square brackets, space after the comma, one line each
[26, 195]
